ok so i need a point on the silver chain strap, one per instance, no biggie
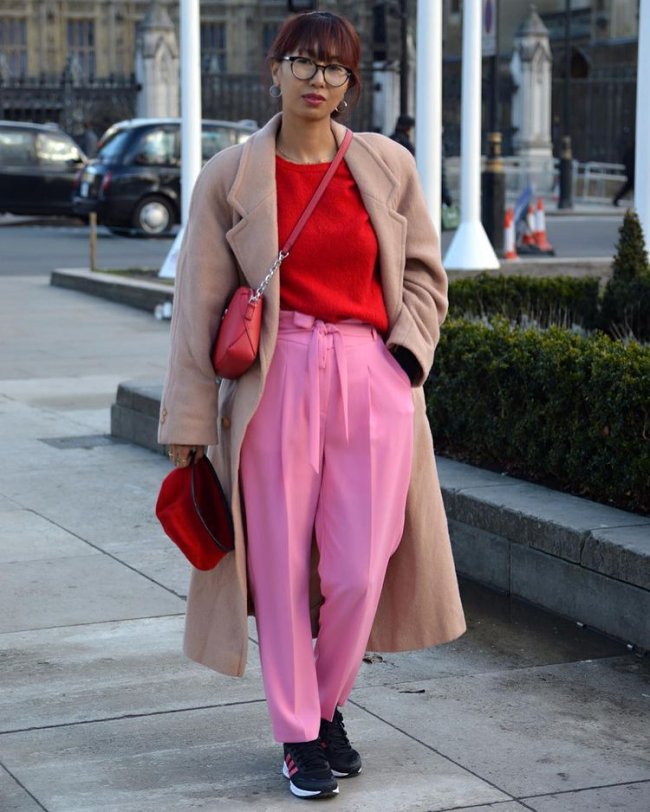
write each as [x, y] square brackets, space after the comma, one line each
[269, 275]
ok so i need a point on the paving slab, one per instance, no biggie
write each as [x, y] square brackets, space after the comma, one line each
[26, 536]
[537, 730]
[80, 589]
[629, 797]
[222, 759]
[503, 635]
[109, 670]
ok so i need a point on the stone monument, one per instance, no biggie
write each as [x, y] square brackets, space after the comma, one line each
[530, 68]
[157, 64]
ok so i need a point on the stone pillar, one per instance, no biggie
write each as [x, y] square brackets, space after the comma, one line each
[157, 64]
[530, 68]
[385, 89]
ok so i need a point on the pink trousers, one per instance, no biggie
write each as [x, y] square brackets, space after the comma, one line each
[326, 455]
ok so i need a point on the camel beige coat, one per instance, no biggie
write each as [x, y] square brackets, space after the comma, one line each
[232, 237]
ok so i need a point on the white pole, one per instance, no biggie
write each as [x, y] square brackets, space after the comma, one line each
[190, 101]
[428, 102]
[642, 168]
[470, 248]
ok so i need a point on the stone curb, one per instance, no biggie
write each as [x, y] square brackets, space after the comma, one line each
[140, 293]
[583, 560]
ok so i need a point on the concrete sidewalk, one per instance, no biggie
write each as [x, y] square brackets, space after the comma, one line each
[100, 711]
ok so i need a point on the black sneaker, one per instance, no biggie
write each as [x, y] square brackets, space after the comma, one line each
[342, 757]
[308, 772]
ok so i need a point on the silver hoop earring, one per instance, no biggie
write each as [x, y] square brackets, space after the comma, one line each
[275, 91]
[345, 106]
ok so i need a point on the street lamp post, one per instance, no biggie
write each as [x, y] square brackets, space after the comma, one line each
[566, 154]
[470, 248]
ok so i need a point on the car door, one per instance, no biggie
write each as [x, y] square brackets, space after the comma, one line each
[59, 159]
[18, 170]
[152, 164]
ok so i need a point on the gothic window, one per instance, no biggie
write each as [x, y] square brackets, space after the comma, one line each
[13, 45]
[213, 46]
[81, 44]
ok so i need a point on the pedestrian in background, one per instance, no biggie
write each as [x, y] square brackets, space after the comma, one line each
[323, 446]
[88, 140]
[629, 160]
[402, 133]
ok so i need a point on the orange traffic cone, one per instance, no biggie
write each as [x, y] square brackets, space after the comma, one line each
[541, 240]
[509, 252]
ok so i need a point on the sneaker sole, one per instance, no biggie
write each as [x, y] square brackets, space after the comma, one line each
[346, 775]
[309, 794]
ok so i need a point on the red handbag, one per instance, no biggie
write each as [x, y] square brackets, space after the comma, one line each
[195, 514]
[238, 339]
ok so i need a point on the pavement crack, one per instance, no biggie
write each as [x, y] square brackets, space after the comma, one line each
[127, 716]
[582, 789]
[434, 750]
[23, 787]
[99, 549]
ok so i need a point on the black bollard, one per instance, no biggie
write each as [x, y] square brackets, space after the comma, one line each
[493, 194]
[566, 175]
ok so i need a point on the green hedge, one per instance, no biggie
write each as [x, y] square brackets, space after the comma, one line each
[567, 411]
[561, 300]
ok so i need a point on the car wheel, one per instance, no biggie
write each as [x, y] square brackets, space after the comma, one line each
[153, 216]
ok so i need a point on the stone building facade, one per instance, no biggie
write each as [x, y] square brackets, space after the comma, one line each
[51, 49]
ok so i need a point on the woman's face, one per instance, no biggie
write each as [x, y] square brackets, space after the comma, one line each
[312, 99]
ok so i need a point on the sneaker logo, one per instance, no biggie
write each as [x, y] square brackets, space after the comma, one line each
[291, 766]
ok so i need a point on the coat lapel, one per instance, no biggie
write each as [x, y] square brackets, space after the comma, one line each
[254, 239]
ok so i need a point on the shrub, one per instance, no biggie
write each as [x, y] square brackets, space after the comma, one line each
[560, 300]
[568, 411]
[631, 259]
[626, 304]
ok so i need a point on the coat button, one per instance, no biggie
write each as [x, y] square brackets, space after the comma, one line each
[225, 422]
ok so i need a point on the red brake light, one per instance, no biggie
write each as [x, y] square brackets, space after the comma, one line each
[106, 182]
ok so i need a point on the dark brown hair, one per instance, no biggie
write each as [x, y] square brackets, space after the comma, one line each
[323, 36]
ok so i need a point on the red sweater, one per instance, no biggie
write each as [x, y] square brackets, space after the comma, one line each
[332, 271]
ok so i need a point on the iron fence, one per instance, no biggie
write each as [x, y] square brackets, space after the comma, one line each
[246, 96]
[68, 101]
[603, 111]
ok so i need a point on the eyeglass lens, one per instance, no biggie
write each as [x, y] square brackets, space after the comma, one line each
[303, 68]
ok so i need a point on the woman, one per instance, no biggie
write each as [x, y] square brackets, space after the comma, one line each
[323, 446]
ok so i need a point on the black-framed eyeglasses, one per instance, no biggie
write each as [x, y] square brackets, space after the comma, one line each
[304, 68]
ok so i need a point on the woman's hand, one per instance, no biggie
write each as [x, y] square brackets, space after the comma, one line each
[180, 455]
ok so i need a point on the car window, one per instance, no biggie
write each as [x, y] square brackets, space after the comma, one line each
[16, 148]
[157, 147]
[215, 139]
[56, 149]
[111, 149]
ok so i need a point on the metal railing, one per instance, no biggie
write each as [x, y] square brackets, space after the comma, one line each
[593, 181]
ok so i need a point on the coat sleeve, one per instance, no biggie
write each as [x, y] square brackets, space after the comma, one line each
[424, 295]
[206, 277]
